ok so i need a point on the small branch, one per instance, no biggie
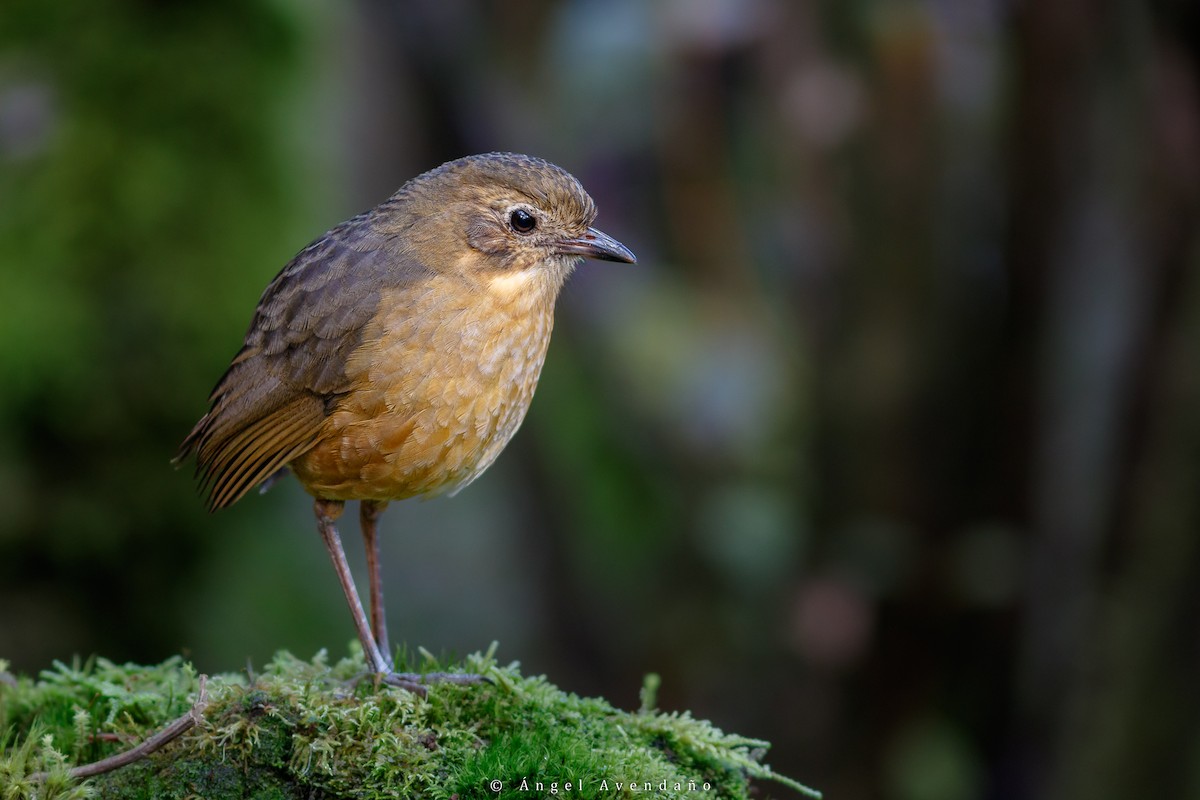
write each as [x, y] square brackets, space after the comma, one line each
[189, 720]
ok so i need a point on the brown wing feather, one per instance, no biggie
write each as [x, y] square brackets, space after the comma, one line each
[267, 445]
[268, 407]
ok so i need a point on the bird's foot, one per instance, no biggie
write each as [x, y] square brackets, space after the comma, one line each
[419, 682]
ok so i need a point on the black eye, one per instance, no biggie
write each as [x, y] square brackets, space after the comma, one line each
[522, 221]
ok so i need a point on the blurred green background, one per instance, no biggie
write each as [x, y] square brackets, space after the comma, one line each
[887, 450]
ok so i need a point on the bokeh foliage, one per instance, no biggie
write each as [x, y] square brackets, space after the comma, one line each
[147, 194]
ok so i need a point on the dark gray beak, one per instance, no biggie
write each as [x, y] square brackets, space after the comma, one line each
[597, 244]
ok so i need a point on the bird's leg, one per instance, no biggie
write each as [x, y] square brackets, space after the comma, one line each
[327, 512]
[369, 512]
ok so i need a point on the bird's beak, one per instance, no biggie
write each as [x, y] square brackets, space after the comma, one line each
[597, 244]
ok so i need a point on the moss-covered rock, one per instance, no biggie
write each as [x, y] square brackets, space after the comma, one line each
[312, 730]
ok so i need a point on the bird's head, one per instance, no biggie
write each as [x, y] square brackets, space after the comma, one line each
[511, 222]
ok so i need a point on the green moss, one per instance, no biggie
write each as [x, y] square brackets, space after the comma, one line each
[311, 729]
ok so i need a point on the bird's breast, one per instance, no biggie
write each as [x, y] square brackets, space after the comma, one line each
[441, 382]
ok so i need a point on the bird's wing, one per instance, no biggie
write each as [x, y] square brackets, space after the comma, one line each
[268, 407]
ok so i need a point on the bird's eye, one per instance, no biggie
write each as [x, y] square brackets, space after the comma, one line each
[522, 221]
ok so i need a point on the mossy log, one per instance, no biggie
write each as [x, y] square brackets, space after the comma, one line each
[308, 729]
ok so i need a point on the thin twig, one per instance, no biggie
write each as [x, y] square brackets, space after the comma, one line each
[189, 720]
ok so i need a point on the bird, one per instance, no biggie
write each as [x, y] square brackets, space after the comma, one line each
[397, 354]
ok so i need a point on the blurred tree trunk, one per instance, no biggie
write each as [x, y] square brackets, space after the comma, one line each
[1100, 369]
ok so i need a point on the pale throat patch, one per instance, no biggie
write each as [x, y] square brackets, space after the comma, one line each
[512, 284]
